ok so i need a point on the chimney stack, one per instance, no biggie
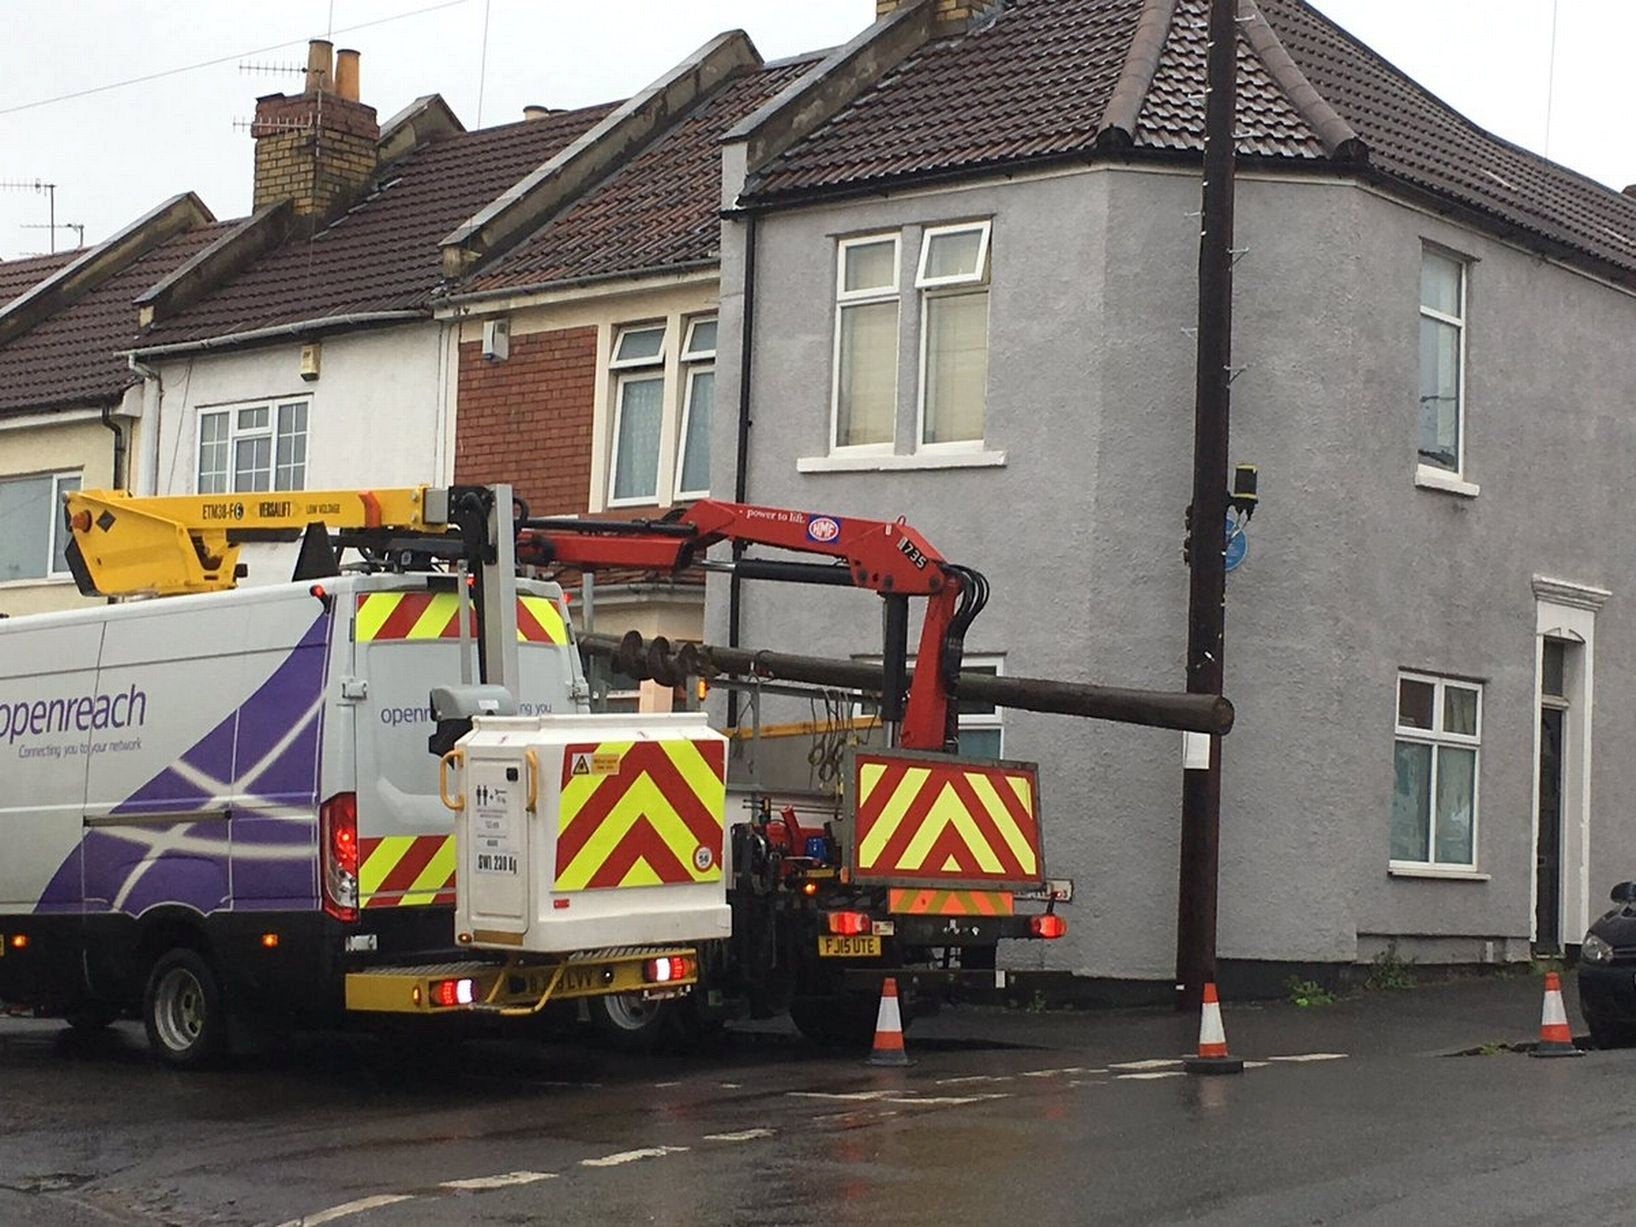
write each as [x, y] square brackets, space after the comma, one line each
[319, 70]
[316, 149]
[948, 16]
[346, 74]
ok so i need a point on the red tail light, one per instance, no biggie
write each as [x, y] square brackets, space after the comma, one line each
[453, 992]
[849, 924]
[1048, 926]
[668, 969]
[338, 833]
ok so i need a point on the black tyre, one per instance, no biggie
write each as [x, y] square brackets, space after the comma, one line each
[630, 1023]
[89, 1016]
[842, 1022]
[1606, 1034]
[182, 1011]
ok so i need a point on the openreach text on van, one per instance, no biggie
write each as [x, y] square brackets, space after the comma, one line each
[85, 714]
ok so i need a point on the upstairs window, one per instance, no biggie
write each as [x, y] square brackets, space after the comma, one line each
[953, 281]
[253, 447]
[33, 537]
[865, 400]
[638, 364]
[1442, 361]
[698, 399]
[1434, 805]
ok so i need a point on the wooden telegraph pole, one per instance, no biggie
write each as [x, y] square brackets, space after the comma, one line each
[1201, 787]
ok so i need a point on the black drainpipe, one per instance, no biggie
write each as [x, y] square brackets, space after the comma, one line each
[119, 446]
[741, 473]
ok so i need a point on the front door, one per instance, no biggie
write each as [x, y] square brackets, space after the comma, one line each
[1548, 854]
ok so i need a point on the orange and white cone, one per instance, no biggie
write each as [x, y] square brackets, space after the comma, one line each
[1213, 1057]
[888, 1049]
[1555, 1039]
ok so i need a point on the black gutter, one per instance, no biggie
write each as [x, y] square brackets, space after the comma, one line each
[741, 469]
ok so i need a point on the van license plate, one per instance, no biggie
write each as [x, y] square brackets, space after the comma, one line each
[849, 947]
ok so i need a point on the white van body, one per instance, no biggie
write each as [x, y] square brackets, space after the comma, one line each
[164, 765]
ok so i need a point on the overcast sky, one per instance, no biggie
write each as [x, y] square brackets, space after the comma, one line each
[117, 152]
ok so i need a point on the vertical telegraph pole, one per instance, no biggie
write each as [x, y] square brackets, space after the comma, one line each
[1201, 786]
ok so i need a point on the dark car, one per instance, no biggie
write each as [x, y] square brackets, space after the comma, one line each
[1607, 972]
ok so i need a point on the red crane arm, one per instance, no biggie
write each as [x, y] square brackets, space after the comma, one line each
[887, 557]
[881, 555]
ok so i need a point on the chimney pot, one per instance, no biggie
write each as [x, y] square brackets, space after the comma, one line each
[320, 65]
[535, 111]
[346, 74]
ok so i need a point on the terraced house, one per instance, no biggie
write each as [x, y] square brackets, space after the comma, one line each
[71, 407]
[414, 303]
[959, 269]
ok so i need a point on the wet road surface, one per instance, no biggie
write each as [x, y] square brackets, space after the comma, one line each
[1005, 1115]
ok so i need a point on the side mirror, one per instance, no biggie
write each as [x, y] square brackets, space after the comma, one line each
[1625, 892]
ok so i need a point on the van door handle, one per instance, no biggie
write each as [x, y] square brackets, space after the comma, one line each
[533, 779]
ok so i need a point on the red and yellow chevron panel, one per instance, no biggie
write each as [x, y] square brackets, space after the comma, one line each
[950, 902]
[641, 813]
[435, 615]
[406, 870]
[943, 822]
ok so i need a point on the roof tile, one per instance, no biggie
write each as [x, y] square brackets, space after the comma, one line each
[383, 254]
[77, 355]
[658, 211]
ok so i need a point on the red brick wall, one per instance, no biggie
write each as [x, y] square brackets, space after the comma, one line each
[527, 420]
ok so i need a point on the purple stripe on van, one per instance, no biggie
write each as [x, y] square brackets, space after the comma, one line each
[265, 752]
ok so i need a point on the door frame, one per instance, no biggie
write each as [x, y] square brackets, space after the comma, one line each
[1567, 611]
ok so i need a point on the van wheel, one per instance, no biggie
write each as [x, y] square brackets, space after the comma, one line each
[182, 1011]
[91, 1016]
[631, 1023]
[844, 1021]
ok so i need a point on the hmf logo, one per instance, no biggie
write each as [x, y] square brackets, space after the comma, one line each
[823, 529]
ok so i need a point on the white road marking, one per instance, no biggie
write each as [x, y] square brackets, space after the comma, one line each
[1087, 1082]
[1312, 1056]
[347, 1209]
[1052, 1073]
[479, 1183]
[1256, 1064]
[663, 1086]
[975, 1078]
[631, 1156]
[742, 1135]
[1164, 1063]
[940, 1101]
[1154, 1074]
[731, 1086]
[850, 1096]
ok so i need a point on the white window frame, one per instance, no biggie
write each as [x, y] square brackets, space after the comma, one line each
[951, 286]
[1428, 473]
[56, 478]
[234, 434]
[979, 277]
[844, 299]
[693, 362]
[1434, 737]
[626, 370]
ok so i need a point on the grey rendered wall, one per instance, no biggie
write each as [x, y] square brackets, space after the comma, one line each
[1353, 573]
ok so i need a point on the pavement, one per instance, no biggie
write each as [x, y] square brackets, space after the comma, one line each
[1349, 1113]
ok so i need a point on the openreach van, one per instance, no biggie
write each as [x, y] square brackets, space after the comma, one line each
[229, 797]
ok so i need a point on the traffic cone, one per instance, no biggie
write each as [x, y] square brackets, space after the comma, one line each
[1213, 1057]
[888, 1050]
[1555, 1039]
